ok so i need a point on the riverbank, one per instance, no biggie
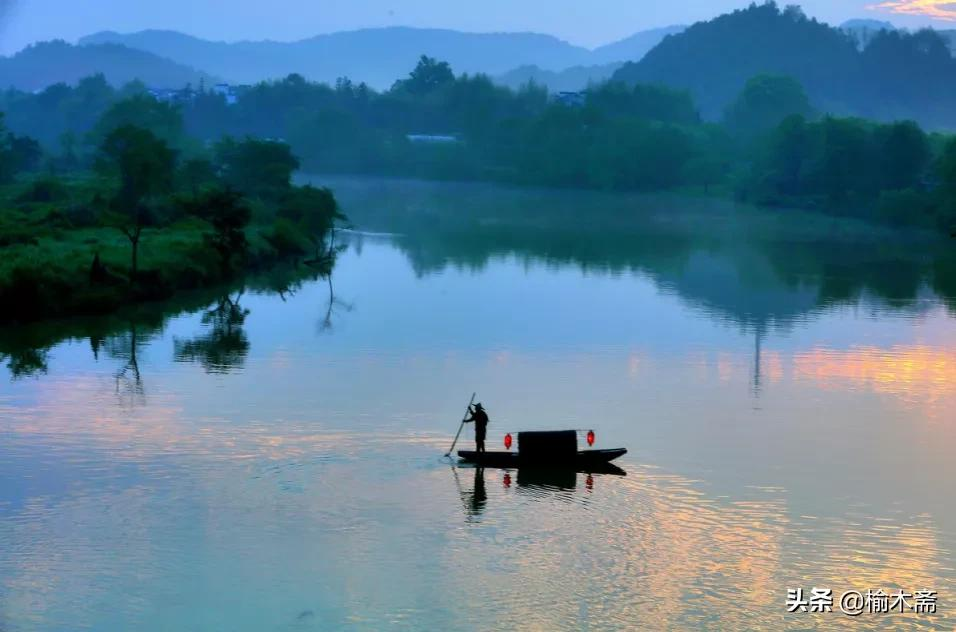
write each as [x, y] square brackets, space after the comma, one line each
[58, 259]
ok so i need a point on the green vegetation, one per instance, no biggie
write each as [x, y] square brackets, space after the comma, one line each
[891, 75]
[147, 220]
[893, 172]
[774, 146]
[124, 198]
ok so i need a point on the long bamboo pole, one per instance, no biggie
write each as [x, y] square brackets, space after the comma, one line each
[458, 434]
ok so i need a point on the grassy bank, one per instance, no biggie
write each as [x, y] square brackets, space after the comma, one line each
[52, 231]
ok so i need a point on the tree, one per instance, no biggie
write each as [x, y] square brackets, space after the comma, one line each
[946, 171]
[428, 75]
[653, 102]
[162, 119]
[765, 101]
[26, 153]
[228, 215]
[314, 211]
[256, 168]
[847, 159]
[17, 153]
[195, 174]
[144, 166]
[789, 155]
[904, 155]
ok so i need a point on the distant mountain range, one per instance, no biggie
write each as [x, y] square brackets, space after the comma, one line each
[632, 48]
[376, 56]
[379, 56]
[47, 63]
[710, 59]
[602, 63]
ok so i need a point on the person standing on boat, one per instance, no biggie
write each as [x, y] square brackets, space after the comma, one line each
[480, 419]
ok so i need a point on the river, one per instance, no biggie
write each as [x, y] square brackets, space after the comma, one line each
[272, 460]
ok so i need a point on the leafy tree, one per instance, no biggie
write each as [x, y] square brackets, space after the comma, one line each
[789, 155]
[162, 119]
[195, 174]
[257, 168]
[904, 154]
[68, 157]
[25, 152]
[653, 102]
[847, 159]
[85, 104]
[946, 171]
[765, 101]
[428, 76]
[144, 166]
[314, 211]
[228, 215]
[17, 153]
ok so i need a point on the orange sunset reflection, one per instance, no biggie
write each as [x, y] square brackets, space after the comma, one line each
[918, 374]
[664, 554]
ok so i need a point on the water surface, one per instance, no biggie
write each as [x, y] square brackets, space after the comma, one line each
[264, 460]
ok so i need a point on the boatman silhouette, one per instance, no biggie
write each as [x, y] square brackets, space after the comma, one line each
[480, 418]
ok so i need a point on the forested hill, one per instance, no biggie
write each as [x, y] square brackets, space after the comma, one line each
[896, 75]
[49, 63]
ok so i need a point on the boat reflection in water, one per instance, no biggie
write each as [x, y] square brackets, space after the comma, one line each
[539, 481]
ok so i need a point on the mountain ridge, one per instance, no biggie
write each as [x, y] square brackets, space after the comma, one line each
[43, 64]
[380, 56]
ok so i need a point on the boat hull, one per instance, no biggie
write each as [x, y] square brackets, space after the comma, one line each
[583, 461]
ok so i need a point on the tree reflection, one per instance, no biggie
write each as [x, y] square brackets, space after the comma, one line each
[224, 347]
[129, 380]
[334, 304]
[26, 350]
[26, 362]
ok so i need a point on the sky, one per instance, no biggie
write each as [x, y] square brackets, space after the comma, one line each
[588, 24]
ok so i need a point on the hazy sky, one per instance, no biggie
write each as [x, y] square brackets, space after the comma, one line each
[586, 23]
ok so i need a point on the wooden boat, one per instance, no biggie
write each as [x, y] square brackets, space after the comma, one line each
[582, 460]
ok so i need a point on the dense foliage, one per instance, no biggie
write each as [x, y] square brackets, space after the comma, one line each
[896, 74]
[138, 210]
[208, 183]
[17, 153]
[772, 146]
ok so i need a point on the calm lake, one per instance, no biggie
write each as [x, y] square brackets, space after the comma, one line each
[271, 459]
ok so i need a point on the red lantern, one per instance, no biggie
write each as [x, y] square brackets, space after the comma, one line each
[508, 441]
[590, 437]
